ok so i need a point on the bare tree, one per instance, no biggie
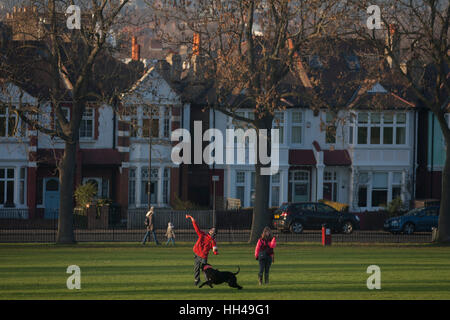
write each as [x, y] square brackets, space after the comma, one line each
[417, 50]
[248, 49]
[72, 62]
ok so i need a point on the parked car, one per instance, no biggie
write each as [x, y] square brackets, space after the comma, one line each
[419, 219]
[296, 217]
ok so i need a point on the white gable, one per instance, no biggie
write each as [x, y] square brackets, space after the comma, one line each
[377, 88]
[12, 94]
[152, 89]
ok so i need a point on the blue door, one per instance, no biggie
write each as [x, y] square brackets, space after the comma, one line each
[51, 198]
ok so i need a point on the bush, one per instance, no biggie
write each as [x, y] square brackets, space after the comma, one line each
[394, 207]
[178, 204]
[84, 194]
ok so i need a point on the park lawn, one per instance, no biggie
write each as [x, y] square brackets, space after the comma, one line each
[300, 271]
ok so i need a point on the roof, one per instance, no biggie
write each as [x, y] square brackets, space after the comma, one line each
[336, 158]
[301, 157]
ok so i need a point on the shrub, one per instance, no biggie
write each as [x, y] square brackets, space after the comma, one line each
[178, 204]
[394, 207]
[84, 194]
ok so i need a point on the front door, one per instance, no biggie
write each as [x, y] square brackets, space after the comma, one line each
[300, 186]
[300, 192]
[51, 198]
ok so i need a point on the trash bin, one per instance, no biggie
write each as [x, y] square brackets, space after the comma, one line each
[326, 235]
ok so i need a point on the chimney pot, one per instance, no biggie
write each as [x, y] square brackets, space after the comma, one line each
[135, 49]
[196, 44]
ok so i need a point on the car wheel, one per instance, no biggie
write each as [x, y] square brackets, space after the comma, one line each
[408, 228]
[347, 227]
[296, 227]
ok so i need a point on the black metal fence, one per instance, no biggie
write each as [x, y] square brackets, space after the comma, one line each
[233, 226]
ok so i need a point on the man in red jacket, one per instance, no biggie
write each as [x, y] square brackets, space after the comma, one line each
[204, 244]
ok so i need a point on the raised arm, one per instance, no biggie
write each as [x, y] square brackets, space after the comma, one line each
[273, 243]
[196, 228]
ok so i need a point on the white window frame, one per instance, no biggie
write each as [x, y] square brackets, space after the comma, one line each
[166, 186]
[5, 181]
[132, 180]
[370, 188]
[22, 186]
[297, 124]
[85, 118]
[153, 178]
[17, 121]
[275, 183]
[333, 180]
[382, 125]
[162, 114]
[100, 186]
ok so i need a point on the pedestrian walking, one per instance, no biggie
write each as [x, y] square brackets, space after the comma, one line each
[170, 234]
[150, 225]
[264, 254]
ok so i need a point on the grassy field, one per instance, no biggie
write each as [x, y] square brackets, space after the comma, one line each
[300, 271]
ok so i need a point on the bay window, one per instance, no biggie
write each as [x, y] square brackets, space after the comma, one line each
[376, 129]
[144, 122]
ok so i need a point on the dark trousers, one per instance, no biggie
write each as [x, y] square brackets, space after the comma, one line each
[147, 235]
[198, 264]
[264, 266]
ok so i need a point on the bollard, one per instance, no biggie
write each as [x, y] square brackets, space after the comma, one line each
[326, 236]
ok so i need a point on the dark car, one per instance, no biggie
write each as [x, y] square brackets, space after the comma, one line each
[419, 219]
[296, 217]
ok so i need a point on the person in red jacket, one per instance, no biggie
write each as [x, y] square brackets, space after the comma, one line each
[264, 254]
[205, 243]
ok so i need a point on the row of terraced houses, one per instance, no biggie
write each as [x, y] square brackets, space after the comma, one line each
[360, 155]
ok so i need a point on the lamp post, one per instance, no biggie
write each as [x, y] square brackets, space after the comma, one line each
[214, 179]
[150, 158]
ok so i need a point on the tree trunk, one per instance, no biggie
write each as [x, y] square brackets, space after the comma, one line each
[444, 214]
[261, 216]
[261, 205]
[66, 179]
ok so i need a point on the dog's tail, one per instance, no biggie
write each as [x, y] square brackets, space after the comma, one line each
[239, 269]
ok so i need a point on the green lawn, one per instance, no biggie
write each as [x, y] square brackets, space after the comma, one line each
[301, 271]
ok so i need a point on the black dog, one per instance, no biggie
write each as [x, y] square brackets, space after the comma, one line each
[214, 276]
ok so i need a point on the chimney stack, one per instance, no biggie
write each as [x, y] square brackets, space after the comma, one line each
[135, 50]
[196, 44]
